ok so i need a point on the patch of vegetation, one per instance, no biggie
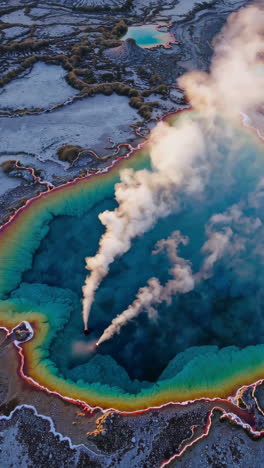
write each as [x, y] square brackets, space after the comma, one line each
[161, 89]
[120, 29]
[28, 45]
[74, 81]
[143, 72]
[68, 153]
[12, 74]
[107, 76]
[59, 59]
[145, 111]
[8, 166]
[108, 43]
[155, 79]
[136, 101]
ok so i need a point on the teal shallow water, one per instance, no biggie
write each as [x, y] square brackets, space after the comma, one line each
[148, 36]
[210, 315]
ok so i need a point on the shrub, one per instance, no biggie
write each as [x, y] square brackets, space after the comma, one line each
[145, 111]
[136, 102]
[107, 76]
[72, 79]
[119, 29]
[8, 166]
[68, 152]
[155, 79]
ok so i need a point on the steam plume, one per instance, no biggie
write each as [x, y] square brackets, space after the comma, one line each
[234, 83]
[222, 241]
[183, 158]
[154, 293]
[145, 196]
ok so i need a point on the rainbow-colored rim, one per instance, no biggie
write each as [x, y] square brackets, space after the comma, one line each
[214, 374]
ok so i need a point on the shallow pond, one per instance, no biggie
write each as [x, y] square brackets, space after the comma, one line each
[149, 36]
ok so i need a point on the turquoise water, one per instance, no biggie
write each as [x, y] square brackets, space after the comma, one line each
[212, 314]
[148, 36]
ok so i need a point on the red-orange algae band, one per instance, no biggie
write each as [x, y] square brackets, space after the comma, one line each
[247, 420]
[34, 369]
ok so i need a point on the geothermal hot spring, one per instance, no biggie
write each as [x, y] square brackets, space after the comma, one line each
[172, 238]
[203, 341]
[149, 36]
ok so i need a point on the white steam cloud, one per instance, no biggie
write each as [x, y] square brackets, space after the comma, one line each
[145, 196]
[222, 241]
[235, 82]
[182, 159]
[154, 293]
